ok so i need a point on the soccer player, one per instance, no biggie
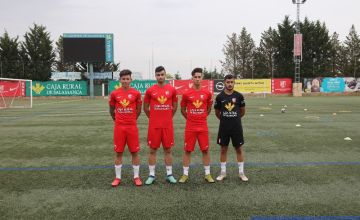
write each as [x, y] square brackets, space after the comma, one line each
[195, 107]
[229, 109]
[160, 104]
[125, 108]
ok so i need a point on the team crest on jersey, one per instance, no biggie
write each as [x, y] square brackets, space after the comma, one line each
[197, 103]
[129, 96]
[202, 96]
[233, 100]
[229, 106]
[124, 103]
[162, 99]
[167, 92]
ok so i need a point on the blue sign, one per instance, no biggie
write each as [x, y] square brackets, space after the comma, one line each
[109, 42]
[333, 85]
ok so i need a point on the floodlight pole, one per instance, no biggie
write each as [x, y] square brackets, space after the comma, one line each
[91, 76]
[297, 58]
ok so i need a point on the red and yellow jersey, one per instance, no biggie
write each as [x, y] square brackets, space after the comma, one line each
[197, 103]
[125, 102]
[161, 101]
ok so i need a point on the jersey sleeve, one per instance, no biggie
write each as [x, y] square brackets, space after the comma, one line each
[210, 99]
[241, 100]
[147, 96]
[112, 100]
[138, 100]
[174, 96]
[183, 100]
[217, 104]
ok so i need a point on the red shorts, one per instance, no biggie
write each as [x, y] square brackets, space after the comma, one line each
[190, 140]
[126, 135]
[157, 136]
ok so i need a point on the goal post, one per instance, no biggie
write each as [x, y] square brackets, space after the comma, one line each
[15, 93]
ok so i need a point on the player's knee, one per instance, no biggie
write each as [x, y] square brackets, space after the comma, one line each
[153, 151]
[239, 149]
[224, 149]
[167, 150]
[205, 151]
[187, 152]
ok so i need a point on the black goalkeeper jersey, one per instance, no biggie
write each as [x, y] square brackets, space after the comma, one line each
[229, 106]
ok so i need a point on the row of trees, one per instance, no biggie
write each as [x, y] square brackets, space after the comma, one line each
[323, 54]
[35, 57]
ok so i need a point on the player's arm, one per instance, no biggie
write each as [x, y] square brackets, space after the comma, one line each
[112, 106]
[242, 111]
[174, 105]
[210, 102]
[183, 112]
[147, 109]
[112, 112]
[175, 101]
[138, 105]
[218, 113]
[138, 110]
[208, 109]
[217, 107]
[183, 106]
[147, 99]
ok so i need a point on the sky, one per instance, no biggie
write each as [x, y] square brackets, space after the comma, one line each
[178, 34]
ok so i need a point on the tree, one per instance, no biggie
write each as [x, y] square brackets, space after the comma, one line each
[335, 55]
[60, 64]
[284, 41]
[316, 49]
[169, 76]
[231, 63]
[352, 48]
[177, 75]
[38, 54]
[238, 52]
[246, 50]
[212, 74]
[10, 60]
[264, 55]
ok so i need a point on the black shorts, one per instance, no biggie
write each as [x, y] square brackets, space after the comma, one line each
[236, 137]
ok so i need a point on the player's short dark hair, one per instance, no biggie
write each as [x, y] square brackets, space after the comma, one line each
[159, 69]
[125, 72]
[197, 70]
[229, 76]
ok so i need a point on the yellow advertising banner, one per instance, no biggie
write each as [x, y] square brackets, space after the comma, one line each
[253, 85]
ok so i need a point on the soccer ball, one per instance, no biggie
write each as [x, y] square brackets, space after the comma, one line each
[283, 110]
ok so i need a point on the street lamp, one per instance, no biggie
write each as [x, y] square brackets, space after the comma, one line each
[297, 41]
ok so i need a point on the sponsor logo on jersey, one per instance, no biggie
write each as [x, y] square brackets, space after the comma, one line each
[124, 103]
[197, 103]
[229, 106]
[162, 99]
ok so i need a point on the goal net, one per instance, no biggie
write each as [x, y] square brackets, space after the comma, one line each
[15, 93]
